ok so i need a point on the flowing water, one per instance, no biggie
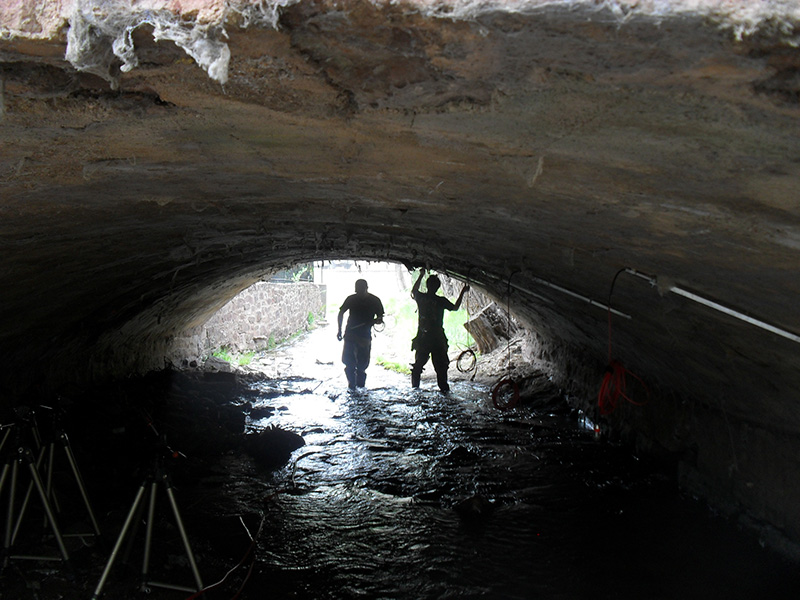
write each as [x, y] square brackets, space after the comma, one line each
[402, 493]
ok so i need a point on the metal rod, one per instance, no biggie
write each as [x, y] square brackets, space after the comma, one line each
[81, 485]
[553, 286]
[148, 536]
[30, 557]
[118, 544]
[6, 468]
[734, 313]
[50, 515]
[26, 500]
[24, 507]
[564, 290]
[5, 435]
[184, 537]
[719, 307]
[171, 586]
[51, 493]
[10, 513]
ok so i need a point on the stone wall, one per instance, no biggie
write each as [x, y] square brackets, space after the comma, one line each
[261, 315]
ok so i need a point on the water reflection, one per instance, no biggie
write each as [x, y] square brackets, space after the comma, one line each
[403, 493]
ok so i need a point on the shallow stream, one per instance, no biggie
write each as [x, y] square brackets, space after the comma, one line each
[402, 493]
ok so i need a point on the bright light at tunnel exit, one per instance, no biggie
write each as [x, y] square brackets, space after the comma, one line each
[392, 283]
[391, 346]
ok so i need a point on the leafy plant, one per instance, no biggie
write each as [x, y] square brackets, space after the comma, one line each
[403, 313]
[223, 353]
[403, 368]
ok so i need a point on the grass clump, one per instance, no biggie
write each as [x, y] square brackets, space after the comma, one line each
[225, 353]
[390, 365]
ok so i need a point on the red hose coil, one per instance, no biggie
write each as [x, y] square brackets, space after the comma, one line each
[496, 394]
[614, 387]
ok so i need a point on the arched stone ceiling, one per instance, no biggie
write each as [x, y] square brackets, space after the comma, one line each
[538, 150]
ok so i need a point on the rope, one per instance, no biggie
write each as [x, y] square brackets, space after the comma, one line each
[469, 353]
[497, 397]
[471, 365]
[508, 322]
[614, 387]
[614, 384]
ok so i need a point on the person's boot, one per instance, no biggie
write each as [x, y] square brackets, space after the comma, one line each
[415, 377]
[443, 385]
[351, 380]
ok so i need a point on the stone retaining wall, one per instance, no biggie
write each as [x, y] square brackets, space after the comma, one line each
[261, 315]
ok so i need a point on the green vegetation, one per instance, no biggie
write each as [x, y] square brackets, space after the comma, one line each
[401, 327]
[273, 343]
[228, 356]
[402, 312]
[403, 368]
[223, 353]
[303, 272]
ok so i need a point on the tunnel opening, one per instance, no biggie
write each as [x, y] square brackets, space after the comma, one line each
[274, 310]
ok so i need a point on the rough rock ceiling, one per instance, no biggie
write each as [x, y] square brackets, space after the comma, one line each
[548, 145]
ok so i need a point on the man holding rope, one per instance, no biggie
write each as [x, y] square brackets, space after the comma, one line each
[366, 310]
[431, 341]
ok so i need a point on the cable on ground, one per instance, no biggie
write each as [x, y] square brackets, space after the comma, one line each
[247, 554]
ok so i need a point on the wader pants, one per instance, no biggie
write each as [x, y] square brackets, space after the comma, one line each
[355, 356]
[431, 346]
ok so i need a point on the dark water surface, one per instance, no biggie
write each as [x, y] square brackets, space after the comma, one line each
[397, 493]
[402, 493]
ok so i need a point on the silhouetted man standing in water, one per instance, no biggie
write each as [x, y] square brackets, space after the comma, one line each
[431, 340]
[365, 311]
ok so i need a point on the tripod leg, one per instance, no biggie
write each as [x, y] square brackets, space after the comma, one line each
[40, 488]
[5, 438]
[118, 544]
[51, 493]
[184, 537]
[148, 537]
[6, 468]
[26, 500]
[3, 477]
[81, 486]
[12, 492]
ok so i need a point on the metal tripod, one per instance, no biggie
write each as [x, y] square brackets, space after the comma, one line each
[156, 477]
[56, 436]
[17, 456]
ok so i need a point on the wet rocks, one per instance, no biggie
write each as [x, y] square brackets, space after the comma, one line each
[474, 508]
[198, 415]
[272, 447]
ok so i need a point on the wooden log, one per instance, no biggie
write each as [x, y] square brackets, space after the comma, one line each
[491, 327]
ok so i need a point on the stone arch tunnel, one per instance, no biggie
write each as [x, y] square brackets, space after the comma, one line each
[157, 157]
